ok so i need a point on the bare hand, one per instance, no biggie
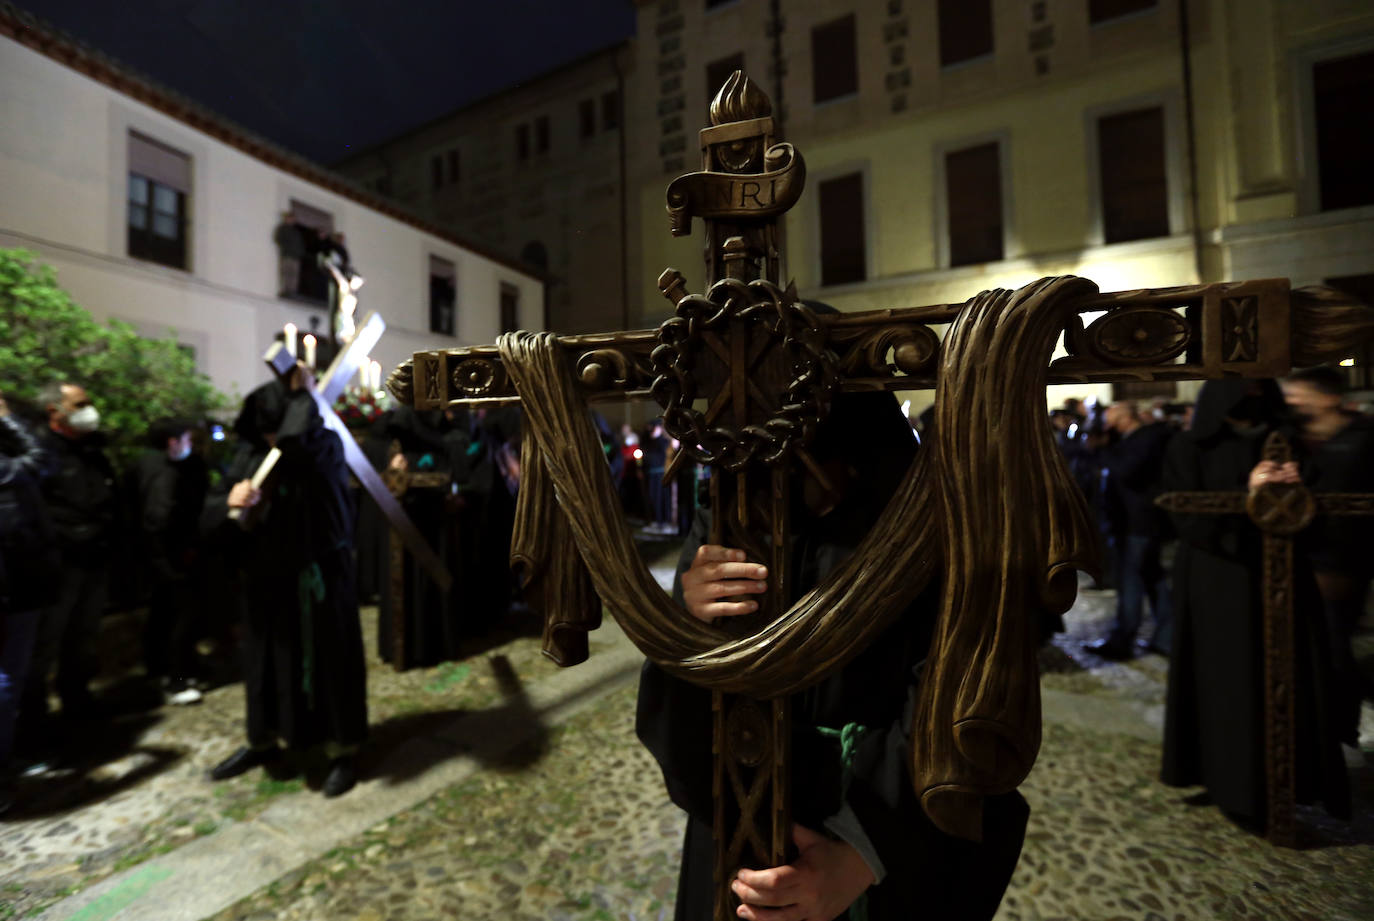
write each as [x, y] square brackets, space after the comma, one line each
[398, 462]
[1267, 473]
[819, 885]
[717, 574]
[243, 495]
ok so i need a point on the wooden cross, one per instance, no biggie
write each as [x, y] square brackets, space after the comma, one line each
[326, 391]
[744, 374]
[398, 483]
[1280, 511]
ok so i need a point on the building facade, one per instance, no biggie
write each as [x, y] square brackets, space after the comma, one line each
[157, 212]
[958, 145]
[535, 172]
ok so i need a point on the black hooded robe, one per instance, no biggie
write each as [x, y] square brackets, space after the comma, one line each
[304, 672]
[434, 619]
[927, 873]
[1214, 716]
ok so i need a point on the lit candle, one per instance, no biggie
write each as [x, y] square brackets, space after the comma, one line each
[376, 376]
[290, 330]
[309, 343]
[364, 376]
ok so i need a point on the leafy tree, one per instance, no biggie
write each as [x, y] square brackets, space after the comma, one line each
[133, 381]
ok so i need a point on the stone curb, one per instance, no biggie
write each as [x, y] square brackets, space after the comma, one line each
[211, 873]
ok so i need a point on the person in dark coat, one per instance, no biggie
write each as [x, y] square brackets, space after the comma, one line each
[1132, 467]
[83, 504]
[484, 584]
[435, 620]
[1214, 713]
[29, 568]
[304, 673]
[1340, 458]
[169, 483]
[868, 839]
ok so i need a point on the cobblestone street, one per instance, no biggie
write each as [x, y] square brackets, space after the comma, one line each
[569, 820]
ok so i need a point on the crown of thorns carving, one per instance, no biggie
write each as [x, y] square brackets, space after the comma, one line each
[804, 403]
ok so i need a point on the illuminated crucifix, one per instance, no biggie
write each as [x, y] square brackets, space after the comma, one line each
[744, 374]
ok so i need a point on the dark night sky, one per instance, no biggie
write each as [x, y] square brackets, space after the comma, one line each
[326, 78]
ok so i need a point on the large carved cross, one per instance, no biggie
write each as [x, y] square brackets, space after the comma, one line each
[1280, 511]
[744, 373]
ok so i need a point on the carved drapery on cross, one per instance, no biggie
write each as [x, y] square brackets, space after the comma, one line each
[744, 373]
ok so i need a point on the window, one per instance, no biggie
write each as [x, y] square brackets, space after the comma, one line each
[541, 134]
[510, 308]
[298, 238]
[1103, 10]
[1135, 202]
[522, 142]
[718, 71]
[1359, 376]
[436, 171]
[965, 30]
[586, 117]
[842, 230]
[834, 60]
[443, 296]
[453, 171]
[973, 190]
[159, 185]
[712, 4]
[610, 110]
[1342, 91]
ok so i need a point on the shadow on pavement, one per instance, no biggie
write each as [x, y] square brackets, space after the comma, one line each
[93, 761]
[507, 737]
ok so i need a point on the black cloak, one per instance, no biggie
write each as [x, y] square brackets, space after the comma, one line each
[304, 674]
[1214, 717]
[926, 873]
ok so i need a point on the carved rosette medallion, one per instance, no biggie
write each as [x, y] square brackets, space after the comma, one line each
[791, 325]
[1282, 509]
[477, 377]
[1139, 335]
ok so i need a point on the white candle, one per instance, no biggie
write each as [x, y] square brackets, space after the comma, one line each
[290, 330]
[364, 376]
[376, 376]
[309, 343]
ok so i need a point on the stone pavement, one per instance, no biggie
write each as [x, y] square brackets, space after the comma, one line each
[571, 822]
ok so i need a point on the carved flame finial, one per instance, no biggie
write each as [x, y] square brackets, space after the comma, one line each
[739, 100]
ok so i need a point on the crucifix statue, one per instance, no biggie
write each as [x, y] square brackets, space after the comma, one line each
[1280, 511]
[743, 374]
[342, 369]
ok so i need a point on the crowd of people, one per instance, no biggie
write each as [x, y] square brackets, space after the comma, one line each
[260, 579]
[1207, 607]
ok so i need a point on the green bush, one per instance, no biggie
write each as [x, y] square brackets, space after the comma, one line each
[133, 381]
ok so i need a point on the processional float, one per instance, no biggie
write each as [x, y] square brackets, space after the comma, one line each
[744, 373]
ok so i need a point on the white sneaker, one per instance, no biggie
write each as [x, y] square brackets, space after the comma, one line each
[183, 695]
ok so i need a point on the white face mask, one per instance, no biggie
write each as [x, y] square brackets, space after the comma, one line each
[85, 420]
